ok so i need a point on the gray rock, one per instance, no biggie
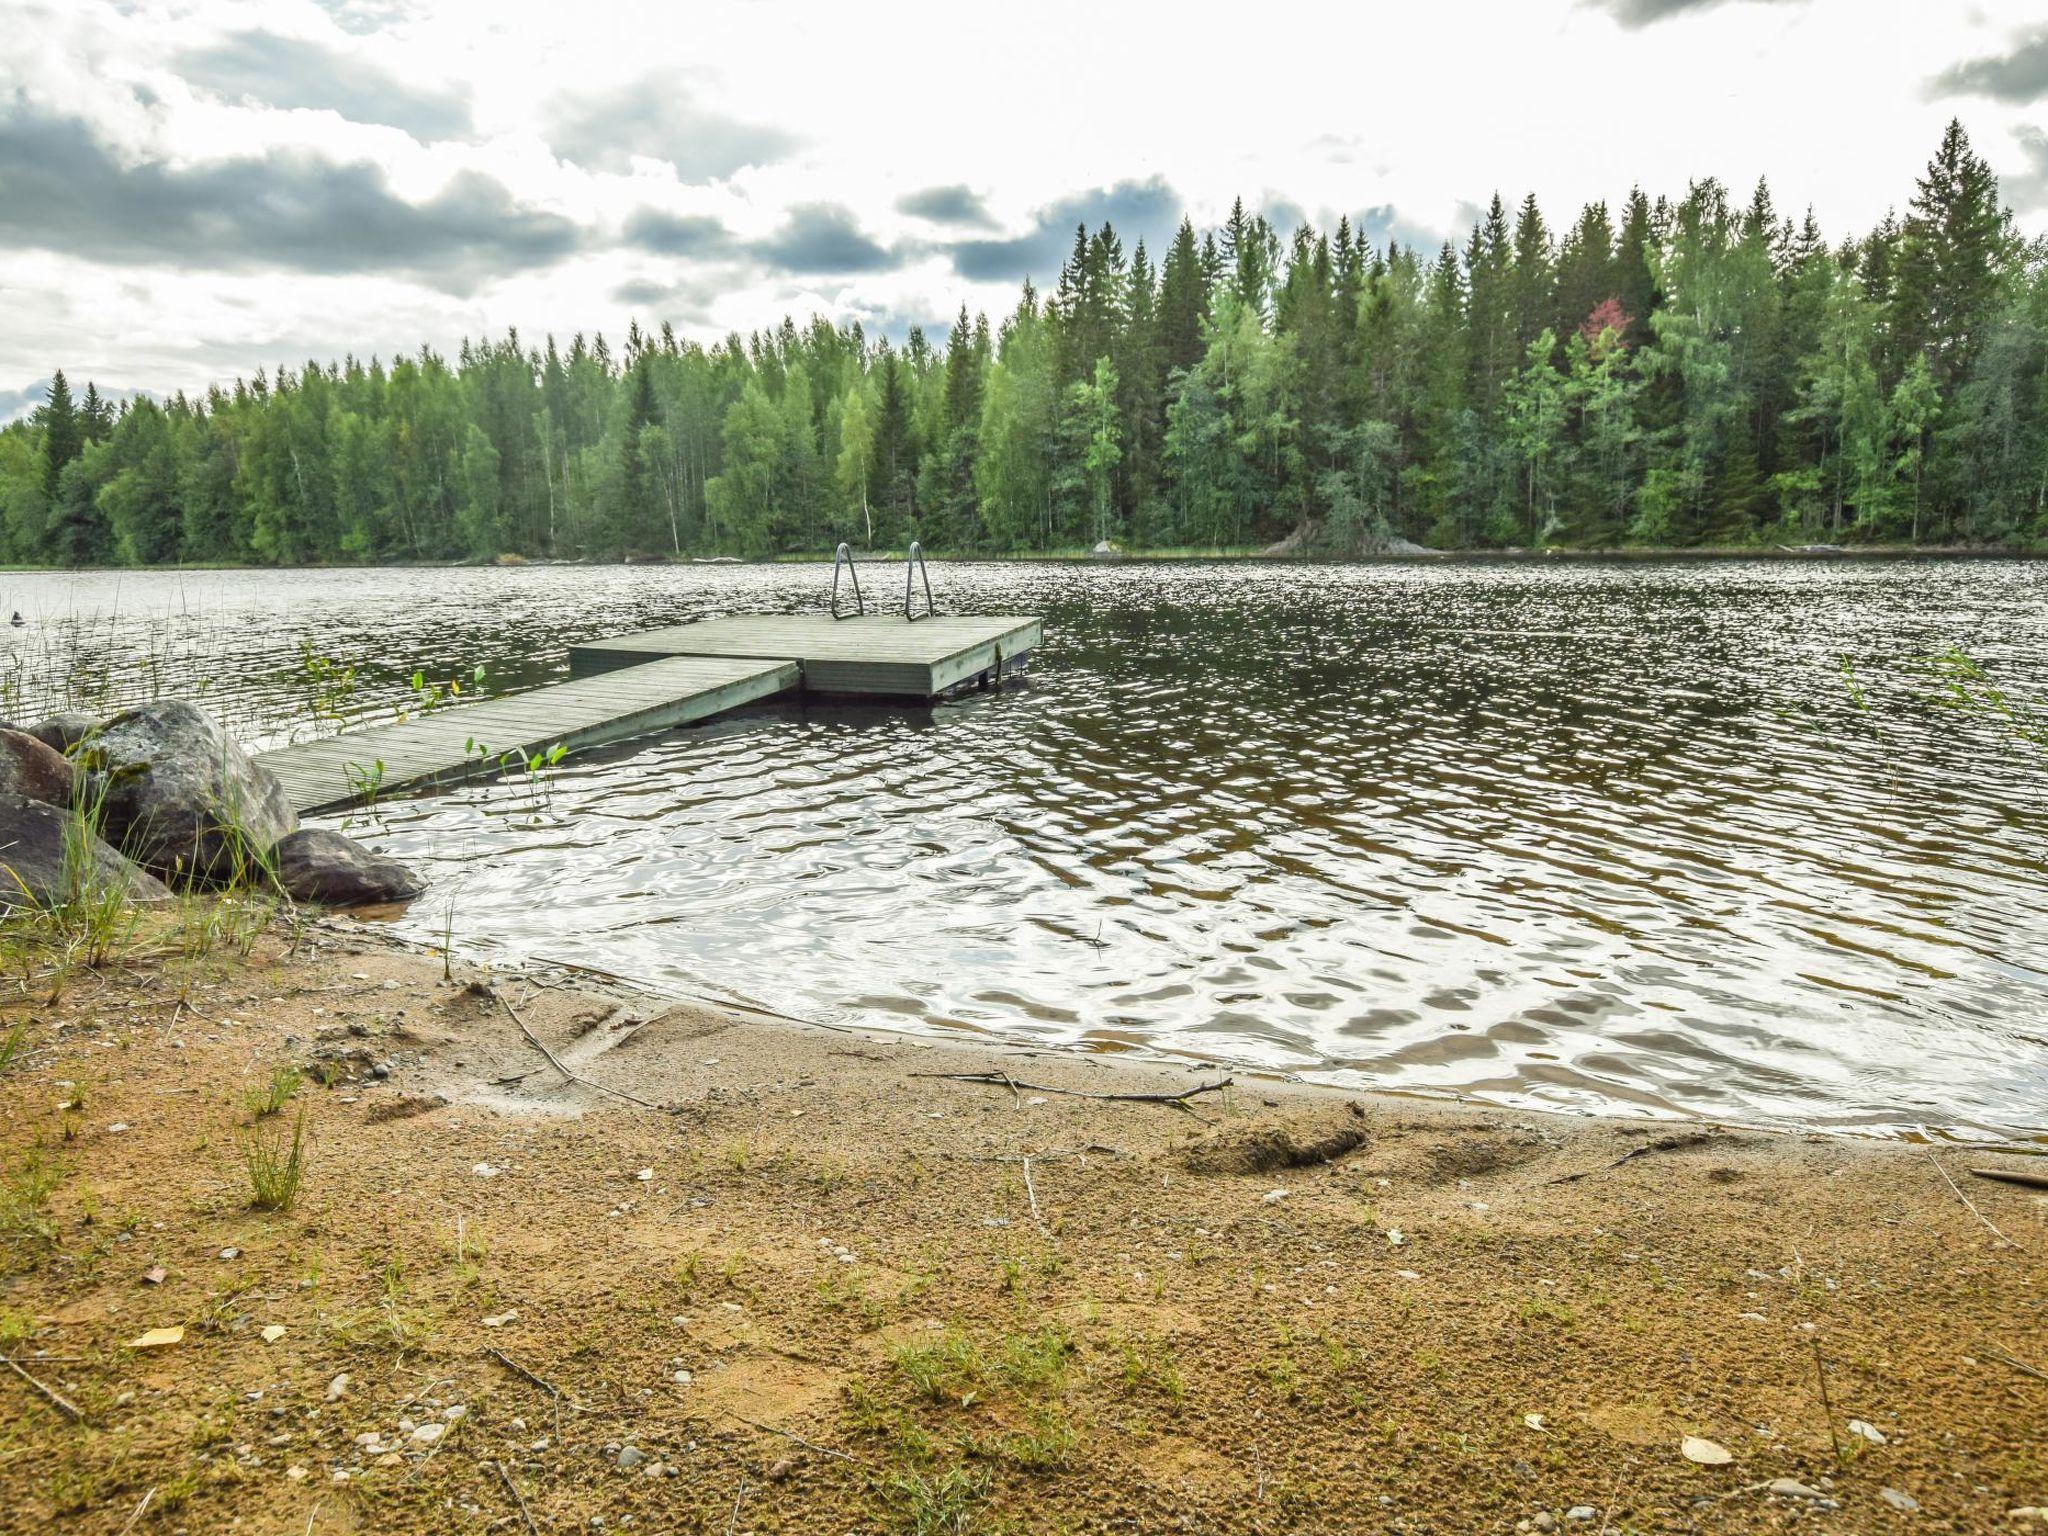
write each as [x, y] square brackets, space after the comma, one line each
[631, 1457]
[1582, 1513]
[181, 798]
[64, 730]
[33, 768]
[316, 865]
[34, 865]
[1900, 1500]
[1545, 1521]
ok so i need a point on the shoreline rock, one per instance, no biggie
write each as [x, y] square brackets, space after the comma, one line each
[181, 796]
[316, 865]
[35, 864]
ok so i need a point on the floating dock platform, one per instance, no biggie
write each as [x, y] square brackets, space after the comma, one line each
[867, 656]
[635, 685]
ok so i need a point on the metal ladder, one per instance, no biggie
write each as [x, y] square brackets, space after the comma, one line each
[913, 568]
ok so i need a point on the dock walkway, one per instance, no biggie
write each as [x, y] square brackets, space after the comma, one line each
[637, 684]
[435, 748]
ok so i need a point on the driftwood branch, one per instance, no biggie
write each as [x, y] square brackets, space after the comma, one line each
[2013, 1176]
[1970, 1205]
[48, 1394]
[1004, 1080]
[1676, 1143]
[555, 1061]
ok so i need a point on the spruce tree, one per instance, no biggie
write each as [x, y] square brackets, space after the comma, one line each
[63, 434]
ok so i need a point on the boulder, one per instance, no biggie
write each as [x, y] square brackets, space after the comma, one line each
[64, 730]
[181, 798]
[32, 768]
[34, 866]
[316, 865]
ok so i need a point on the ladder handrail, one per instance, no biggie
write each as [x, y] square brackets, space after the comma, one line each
[844, 555]
[914, 562]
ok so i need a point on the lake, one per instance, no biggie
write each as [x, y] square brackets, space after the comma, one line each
[1572, 835]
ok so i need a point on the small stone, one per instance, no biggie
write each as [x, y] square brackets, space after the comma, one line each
[1706, 1453]
[1582, 1513]
[273, 1333]
[1273, 1196]
[681, 1378]
[1545, 1521]
[781, 1470]
[296, 1474]
[1900, 1500]
[1792, 1488]
[231, 1253]
[1869, 1432]
[454, 1413]
[429, 1434]
[337, 1389]
[630, 1457]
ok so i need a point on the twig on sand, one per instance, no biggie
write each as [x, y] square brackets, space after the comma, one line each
[537, 1380]
[555, 1061]
[519, 1499]
[139, 1508]
[1031, 1194]
[1827, 1404]
[2013, 1176]
[2017, 1364]
[1175, 1100]
[50, 1395]
[1676, 1143]
[1989, 1225]
[733, 1523]
[790, 1434]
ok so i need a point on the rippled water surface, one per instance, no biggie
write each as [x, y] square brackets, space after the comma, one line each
[1593, 835]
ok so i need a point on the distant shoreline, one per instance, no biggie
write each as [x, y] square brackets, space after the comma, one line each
[1623, 555]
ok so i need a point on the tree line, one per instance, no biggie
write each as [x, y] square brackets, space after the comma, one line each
[1686, 373]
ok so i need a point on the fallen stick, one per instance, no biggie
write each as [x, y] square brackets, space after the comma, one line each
[1031, 1194]
[555, 1061]
[2017, 1364]
[50, 1395]
[1004, 1080]
[141, 1507]
[517, 1498]
[1826, 1403]
[539, 1381]
[1989, 1225]
[790, 1434]
[1661, 1144]
[2013, 1176]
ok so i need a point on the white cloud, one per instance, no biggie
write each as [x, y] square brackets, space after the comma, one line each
[568, 167]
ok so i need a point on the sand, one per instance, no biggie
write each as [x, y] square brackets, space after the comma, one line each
[802, 1280]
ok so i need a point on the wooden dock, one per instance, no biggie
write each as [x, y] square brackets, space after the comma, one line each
[638, 684]
[435, 748]
[865, 656]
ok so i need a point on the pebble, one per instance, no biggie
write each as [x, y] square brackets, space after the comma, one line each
[337, 1389]
[429, 1434]
[1900, 1500]
[1546, 1521]
[681, 1378]
[1582, 1513]
[630, 1457]
[1792, 1488]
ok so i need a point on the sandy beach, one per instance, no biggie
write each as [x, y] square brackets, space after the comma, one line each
[743, 1274]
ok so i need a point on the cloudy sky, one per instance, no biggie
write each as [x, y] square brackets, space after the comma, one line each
[191, 189]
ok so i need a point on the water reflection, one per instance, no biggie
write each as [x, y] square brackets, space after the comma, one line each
[1592, 835]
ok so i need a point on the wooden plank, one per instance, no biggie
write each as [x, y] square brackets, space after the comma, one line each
[434, 748]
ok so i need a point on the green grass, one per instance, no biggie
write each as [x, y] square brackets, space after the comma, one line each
[277, 1166]
[274, 1094]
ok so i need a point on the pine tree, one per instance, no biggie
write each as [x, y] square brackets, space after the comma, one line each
[63, 434]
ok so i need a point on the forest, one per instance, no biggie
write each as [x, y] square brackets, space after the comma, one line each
[1704, 372]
